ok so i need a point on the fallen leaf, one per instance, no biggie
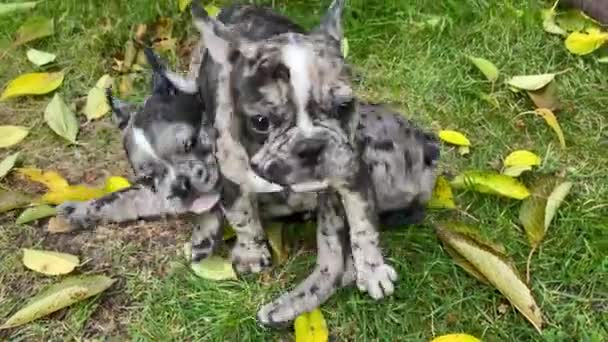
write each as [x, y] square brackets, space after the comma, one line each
[61, 119]
[487, 68]
[464, 150]
[10, 200]
[491, 183]
[130, 54]
[531, 82]
[465, 265]
[59, 225]
[274, 232]
[51, 179]
[573, 20]
[522, 158]
[183, 4]
[497, 268]
[125, 87]
[7, 164]
[40, 58]
[583, 43]
[516, 171]
[603, 59]
[77, 193]
[115, 183]
[214, 268]
[552, 122]
[212, 10]
[97, 103]
[454, 137]
[35, 213]
[344, 47]
[545, 97]
[456, 338]
[549, 23]
[58, 296]
[12, 135]
[49, 263]
[311, 327]
[532, 211]
[16, 6]
[35, 27]
[556, 198]
[36, 83]
[442, 197]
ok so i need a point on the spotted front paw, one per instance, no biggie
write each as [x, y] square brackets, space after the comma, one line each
[377, 280]
[276, 314]
[250, 257]
[77, 214]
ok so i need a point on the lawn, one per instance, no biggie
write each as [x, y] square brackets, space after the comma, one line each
[411, 54]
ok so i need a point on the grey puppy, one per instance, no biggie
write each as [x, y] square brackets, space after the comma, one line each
[403, 177]
[285, 99]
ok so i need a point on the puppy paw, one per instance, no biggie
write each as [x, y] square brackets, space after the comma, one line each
[77, 214]
[250, 257]
[276, 314]
[377, 280]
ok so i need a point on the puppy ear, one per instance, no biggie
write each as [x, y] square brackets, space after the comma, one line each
[219, 40]
[121, 111]
[165, 82]
[331, 24]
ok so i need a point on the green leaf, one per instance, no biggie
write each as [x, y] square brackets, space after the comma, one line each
[549, 23]
[97, 103]
[573, 20]
[497, 268]
[16, 6]
[35, 27]
[61, 119]
[183, 4]
[36, 213]
[442, 197]
[531, 82]
[10, 200]
[491, 183]
[40, 58]
[344, 47]
[486, 67]
[59, 296]
[7, 164]
[214, 268]
[274, 232]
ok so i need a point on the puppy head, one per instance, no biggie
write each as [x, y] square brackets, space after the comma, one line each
[291, 87]
[168, 143]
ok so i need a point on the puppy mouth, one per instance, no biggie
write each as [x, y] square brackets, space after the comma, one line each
[309, 186]
[204, 203]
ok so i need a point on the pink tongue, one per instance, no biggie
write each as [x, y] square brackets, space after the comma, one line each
[204, 203]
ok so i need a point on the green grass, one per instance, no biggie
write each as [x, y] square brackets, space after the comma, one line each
[421, 69]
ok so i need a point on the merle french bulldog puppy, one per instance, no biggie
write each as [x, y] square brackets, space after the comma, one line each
[289, 90]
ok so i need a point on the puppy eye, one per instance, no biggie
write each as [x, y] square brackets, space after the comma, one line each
[189, 145]
[260, 123]
[345, 108]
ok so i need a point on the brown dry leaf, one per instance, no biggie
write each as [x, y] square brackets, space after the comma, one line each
[35, 27]
[546, 97]
[59, 225]
[497, 268]
[140, 33]
[10, 200]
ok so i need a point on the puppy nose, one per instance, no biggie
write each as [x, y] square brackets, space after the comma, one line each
[181, 186]
[309, 150]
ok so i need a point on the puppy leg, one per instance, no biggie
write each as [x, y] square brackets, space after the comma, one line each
[373, 275]
[250, 252]
[206, 234]
[327, 277]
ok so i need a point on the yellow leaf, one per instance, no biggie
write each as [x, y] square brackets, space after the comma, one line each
[40, 58]
[302, 329]
[60, 118]
[515, 171]
[72, 193]
[442, 195]
[454, 137]
[487, 68]
[183, 4]
[116, 183]
[531, 82]
[491, 183]
[97, 104]
[214, 268]
[311, 327]
[552, 122]
[456, 338]
[583, 43]
[555, 199]
[11, 135]
[36, 83]
[498, 269]
[49, 263]
[212, 10]
[522, 158]
[58, 296]
[51, 179]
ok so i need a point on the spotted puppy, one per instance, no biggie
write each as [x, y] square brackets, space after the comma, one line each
[287, 102]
